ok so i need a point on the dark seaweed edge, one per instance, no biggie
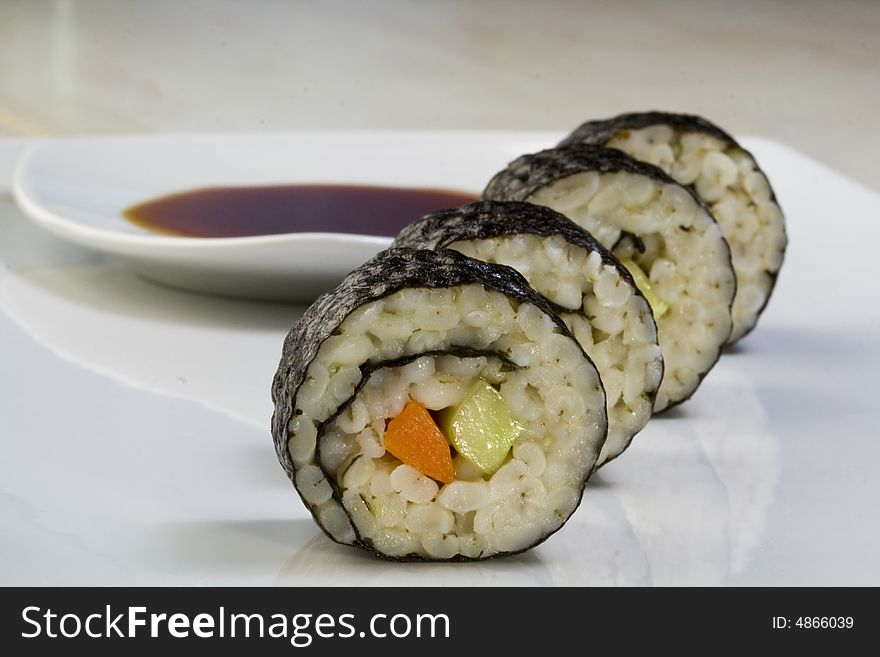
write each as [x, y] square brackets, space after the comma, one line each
[529, 173]
[489, 219]
[774, 277]
[368, 369]
[386, 273]
[599, 132]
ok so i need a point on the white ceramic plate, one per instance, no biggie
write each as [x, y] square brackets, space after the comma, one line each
[78, 188]
[135, 450]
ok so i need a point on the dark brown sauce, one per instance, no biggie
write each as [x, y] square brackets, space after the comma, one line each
[277, 209]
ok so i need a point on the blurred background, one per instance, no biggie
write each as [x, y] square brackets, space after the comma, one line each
[805, 73]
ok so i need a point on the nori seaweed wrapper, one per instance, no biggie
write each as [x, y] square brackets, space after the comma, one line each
[388, 272]
[531, 172]
[600, 132]
[487, 219]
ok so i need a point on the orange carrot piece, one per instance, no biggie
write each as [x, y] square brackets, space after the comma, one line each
[415, 439]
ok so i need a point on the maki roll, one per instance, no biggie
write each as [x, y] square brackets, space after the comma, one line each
[723, 175]
[435, 407]
[666, 238]
[591, 291]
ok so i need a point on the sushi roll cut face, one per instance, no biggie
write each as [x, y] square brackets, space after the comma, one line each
[591, 291]
[434, 407]
[666, 238]
[725, 177]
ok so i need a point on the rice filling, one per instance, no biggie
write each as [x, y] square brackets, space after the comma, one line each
[588, 288]
[725, 177]
[408, 344]
[645, 218]
[612, 323]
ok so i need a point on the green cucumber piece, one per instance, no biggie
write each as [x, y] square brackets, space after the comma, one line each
[658, 306]
[481, 427]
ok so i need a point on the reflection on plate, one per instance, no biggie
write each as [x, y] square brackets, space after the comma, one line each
[78, 189]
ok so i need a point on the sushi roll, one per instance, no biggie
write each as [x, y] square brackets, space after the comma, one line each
[435, 407]
[725, 177]
[592, 292]
[657, 229]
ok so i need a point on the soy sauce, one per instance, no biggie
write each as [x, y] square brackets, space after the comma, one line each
[277, 209]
